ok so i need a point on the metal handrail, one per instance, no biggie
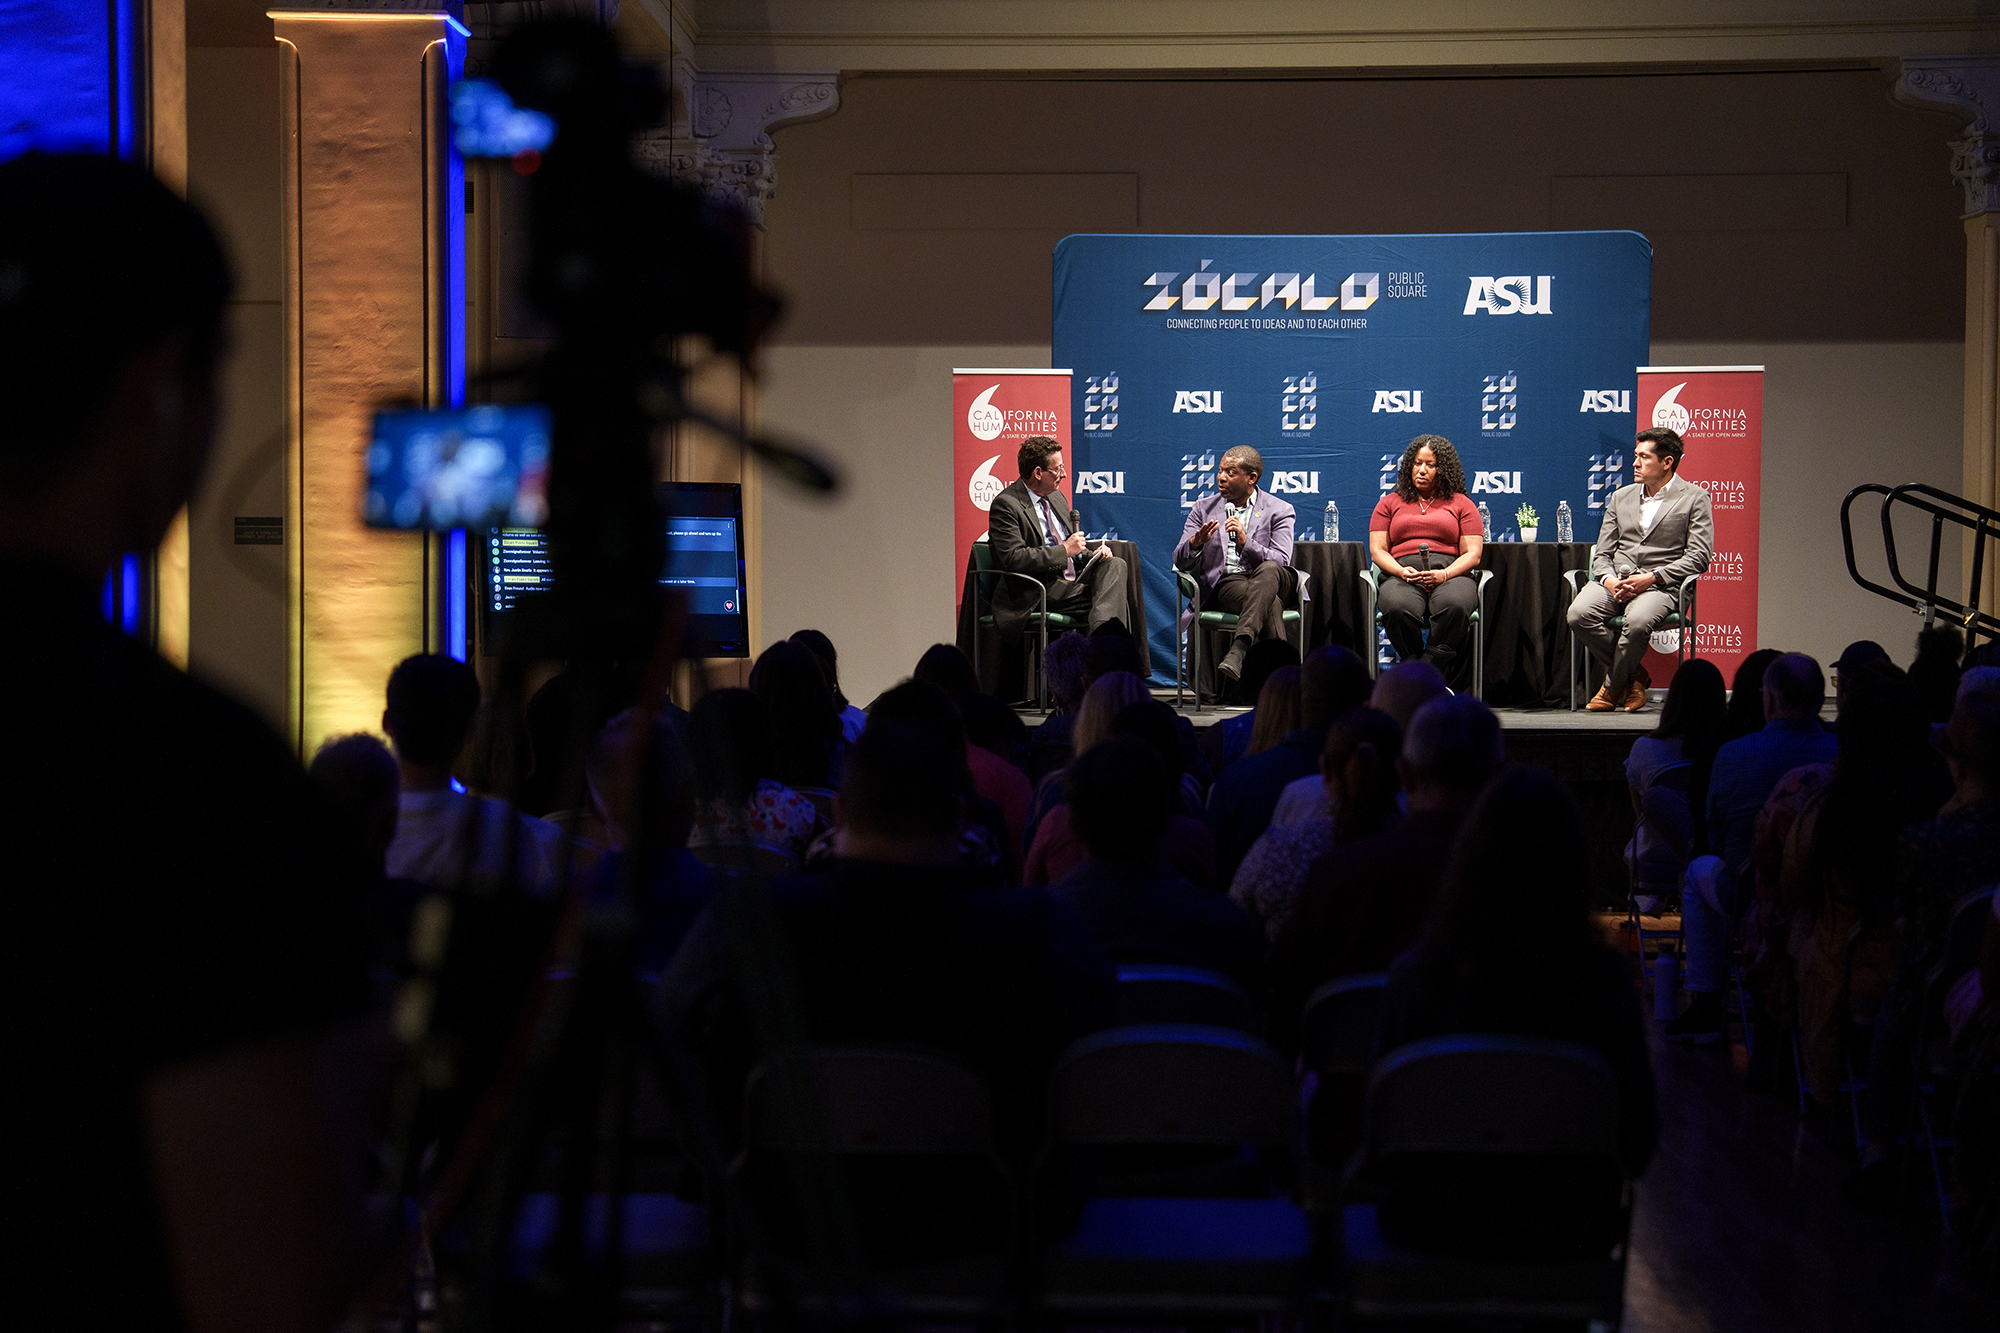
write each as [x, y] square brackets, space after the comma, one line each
[1943, 508]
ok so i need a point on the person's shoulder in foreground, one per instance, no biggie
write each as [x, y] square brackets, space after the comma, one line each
[175, 969]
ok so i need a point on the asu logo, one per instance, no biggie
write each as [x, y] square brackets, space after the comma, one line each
[1197, 400]
[1606, 400]
[1501, 483]
[1100, 483]
[1508, 296]
[1295, 483]
[1398, 400]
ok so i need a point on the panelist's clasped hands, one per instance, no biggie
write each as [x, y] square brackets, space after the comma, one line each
[1427, 579]
[1625, 589]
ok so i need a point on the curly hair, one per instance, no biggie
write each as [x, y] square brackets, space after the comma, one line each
[1450, 476]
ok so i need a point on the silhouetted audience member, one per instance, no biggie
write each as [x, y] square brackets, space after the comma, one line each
[1223, 743]
[1936, 668]
[1539, 968]
[1333, 680]
[1746, 694]
[1135, 908]
[1358, 768]
[807, 738]
[1670, 828]
[1112, 648]
[743, 815]
[358, 783]
[561, 721]
[1062, 675]
[852, 719]
[180, 952]
[642, 803]
[1937, 862]
[447, 838]
[994, 776]
[983, 832]
[897, 942]
[1277, 712]
[1397, 693]
[1746, 770]
[1366, 901]
[1833, 830]
[1103, 700]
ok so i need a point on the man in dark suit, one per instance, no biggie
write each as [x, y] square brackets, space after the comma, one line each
[1238, 545]
[1031, 531]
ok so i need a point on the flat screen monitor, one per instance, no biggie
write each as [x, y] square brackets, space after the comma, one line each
[703, 524]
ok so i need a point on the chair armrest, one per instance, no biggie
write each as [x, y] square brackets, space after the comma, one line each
[1041, 588]
[1574, 578]
[1684, 597]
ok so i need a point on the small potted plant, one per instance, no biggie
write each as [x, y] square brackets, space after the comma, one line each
[1530, 522]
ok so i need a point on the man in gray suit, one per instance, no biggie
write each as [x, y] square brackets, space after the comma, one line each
[1238, 545]
[1656, 532]
[1032, 531]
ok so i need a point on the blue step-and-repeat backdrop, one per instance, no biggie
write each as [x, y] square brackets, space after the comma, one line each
[1328, 354]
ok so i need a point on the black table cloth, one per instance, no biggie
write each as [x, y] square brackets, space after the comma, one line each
[1002, 658]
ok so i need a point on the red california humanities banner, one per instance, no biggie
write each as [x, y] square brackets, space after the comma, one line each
[992, 411]
[1719, 413]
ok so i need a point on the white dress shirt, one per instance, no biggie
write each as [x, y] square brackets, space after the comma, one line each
[1649, 506]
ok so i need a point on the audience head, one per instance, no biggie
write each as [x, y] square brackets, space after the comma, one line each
[112, 293]
[729, 737]
[1277, 714]
[1522, 843]
[1110, 653]
[1264, 657]
[1452, 749]
[805, 726]
[991, 725]
[901, 793]
[1331, 681]
[1986, 654]
[1859, 654]
[1977, 680]
[1404, 688]
[1972, 745]
[1887, 776]
[432, 702]
[358, 781]
[1154, 723]
[639, 756]
[1358, 765]
[1107, 697]
[822, 649]
[1062, 671]
[944, 666]
[1119, 797]
[1794, 687]
[1746, 693]
[1936, 669]
[924, 705]
[1696, 711]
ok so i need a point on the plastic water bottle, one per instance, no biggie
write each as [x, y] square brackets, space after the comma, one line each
[1332, 522]
[1486, 520]
[1564, 532]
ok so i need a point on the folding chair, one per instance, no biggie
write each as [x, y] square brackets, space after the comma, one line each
[1371, 597]
[1449, 1111]
[853, 1156]
[1173, 1255]
[1041, 618]
[1682, 618]
[1188, 645]
[1336, 1048]
[1167, 993]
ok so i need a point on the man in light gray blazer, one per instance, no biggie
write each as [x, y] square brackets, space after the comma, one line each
[1656, 532]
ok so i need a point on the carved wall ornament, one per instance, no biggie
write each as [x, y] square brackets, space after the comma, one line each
[1966, 88]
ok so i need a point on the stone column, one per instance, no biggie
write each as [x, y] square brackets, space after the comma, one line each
[373, 313]
[1967, 88]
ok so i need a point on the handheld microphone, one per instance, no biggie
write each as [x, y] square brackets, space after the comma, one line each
[1424, 550]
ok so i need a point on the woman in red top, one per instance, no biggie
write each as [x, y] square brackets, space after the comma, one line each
[1425, 537]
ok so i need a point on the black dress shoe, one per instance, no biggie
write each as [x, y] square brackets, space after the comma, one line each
[1232, 664]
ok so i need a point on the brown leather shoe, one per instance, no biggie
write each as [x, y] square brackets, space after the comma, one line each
[1635, 697]
[1600, 702]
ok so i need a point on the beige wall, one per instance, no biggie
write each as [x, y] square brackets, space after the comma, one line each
[236, 614]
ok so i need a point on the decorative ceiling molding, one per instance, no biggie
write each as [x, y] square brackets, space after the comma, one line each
[719, 139]
[1966, 88]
